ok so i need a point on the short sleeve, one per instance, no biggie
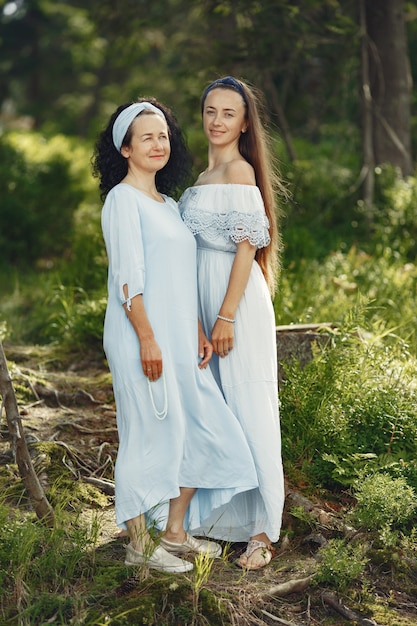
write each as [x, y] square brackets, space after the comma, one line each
[124, 243]
[231, 211]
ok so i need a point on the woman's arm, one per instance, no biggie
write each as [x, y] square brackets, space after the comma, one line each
[222, 336]
[150, 352]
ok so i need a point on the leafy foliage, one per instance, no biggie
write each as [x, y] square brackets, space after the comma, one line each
[43, 192]
[312, 290]
[76, 320]
[323, 214]
[383, 501]
[340, 564]
[102, 54]
[395, 220]
[354, 399]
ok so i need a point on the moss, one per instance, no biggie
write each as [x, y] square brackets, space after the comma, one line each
[159, 600]
[213, 609]
[11, 486]
[91, 495]
[385, 616]
[23, 392]
[55, 460]
[47, 608]
[130, 612]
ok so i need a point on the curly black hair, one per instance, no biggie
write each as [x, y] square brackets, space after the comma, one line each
[110, 167]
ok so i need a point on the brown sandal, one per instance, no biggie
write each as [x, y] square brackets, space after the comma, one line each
[268, 553]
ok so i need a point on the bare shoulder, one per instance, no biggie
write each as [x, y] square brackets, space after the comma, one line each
[240, 172]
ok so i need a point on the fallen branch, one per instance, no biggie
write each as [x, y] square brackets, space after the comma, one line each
[106, 486]
[333, 601]
[290, 586]
[34, 489]
[87, 431]
[61, 398]
[277, 619]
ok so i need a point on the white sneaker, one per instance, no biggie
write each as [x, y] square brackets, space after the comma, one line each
[159, 559]
[191, 544]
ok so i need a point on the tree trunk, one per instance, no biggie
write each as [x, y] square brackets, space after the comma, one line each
[279, 111]
[390, 82]
[368, 159]
[34, 489]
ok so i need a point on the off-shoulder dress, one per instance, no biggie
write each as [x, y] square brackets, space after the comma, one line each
[220, 216]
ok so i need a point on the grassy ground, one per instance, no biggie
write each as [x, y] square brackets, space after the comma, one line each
[74, 573]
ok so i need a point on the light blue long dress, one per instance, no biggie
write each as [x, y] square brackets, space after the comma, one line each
[220, 216]
[200, 443]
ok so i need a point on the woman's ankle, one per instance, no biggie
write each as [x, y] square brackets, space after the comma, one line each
[176, 535]
[261, 537]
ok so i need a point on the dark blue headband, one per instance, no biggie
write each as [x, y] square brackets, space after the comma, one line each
[227, 81]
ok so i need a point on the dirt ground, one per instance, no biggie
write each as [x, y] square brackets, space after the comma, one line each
[72, 405]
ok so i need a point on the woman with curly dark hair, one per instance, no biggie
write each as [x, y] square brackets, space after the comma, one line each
[111, 167]
[182, 453]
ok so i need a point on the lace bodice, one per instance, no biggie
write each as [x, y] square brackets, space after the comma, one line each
[230, 212]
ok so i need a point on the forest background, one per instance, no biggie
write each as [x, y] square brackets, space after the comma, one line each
[338, 84]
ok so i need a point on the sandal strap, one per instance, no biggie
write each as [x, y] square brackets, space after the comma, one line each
[254, 544]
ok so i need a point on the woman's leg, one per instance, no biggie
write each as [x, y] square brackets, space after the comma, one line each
[176, 539]
[139, 536]
[142, 550]
[177, 508]
[136, 527]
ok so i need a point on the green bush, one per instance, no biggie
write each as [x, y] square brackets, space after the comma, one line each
[52, 255]
[41, 309]
[76, 319]
[340, 564]
[383, 501]
[87, 267]
[322, 214]
[314, 291]
[355, 398]
[394, 216]
[43, 188]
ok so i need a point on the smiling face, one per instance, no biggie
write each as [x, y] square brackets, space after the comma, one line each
[149, 148]
[224, 116]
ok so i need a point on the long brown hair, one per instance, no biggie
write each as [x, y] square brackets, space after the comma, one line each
[255, 147]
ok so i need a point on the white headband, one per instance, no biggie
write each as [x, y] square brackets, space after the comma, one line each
[126, 117]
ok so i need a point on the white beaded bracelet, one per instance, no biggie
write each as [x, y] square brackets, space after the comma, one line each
[225, 319]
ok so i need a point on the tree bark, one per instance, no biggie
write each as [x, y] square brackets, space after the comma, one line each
[290, 586]
[279, 111]
[368, 159]
[390, 83]
[332, 600]
[33, 487]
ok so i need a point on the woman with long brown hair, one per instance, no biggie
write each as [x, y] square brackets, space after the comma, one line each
[231, 211]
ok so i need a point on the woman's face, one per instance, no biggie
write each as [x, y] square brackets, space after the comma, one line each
[224, 116]
[149, 148]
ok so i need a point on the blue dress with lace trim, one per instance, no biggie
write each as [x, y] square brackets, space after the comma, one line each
[220, 216]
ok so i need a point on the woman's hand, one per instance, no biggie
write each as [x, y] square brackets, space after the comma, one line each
[222, 337]
[150, 352]
[205, 349]
[151, 359]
